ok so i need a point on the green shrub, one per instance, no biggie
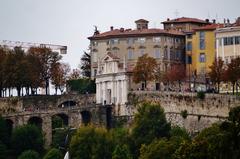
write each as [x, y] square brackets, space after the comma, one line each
[184, 114]
[29, 154]
[82, 85]
[53, 154]
[201, 95]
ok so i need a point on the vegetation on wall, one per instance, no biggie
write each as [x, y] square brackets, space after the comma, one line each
[82, 86]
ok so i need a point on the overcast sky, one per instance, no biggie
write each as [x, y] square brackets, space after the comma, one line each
[70, 22]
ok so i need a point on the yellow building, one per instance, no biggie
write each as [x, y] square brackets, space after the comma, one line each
[200, 52]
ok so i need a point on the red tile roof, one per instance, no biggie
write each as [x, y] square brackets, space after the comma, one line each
[209, 27]
[118, 33]
[185, 20]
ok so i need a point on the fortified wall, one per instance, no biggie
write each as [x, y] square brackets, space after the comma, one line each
[199, 113]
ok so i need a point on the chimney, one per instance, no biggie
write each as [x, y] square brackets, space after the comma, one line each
[238, 21]
[122, 30]
[207, 20]
[168, 19]
[111, 28]
[214, 21]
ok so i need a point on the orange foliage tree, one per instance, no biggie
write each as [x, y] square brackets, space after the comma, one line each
[176, 74]
[144, 70]
[217, 72]
[233, 72]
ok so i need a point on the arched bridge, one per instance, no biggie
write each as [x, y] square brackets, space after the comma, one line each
[74, 110]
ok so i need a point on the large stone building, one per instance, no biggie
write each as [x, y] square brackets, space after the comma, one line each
[114, 54]
[228, 42]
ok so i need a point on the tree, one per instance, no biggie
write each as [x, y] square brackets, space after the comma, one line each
[233, 72]
[75, 74]
[91, 142]
[144, 70]
[216, 72]
[177, 73]
[157, 149]
[86, 65]
[59, 75]
[29, 154]
[149, 123]
[53, 154]
[20, 72]
[82, 85]
[121, 152]
[3, 54]
[27, 137]
[48, 60]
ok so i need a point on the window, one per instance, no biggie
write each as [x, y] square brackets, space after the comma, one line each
[178, 55]
[141, 52]
[165, 54]
[130, 41]
[141, 40]
[189, 46]
[202, 57]
[237, 40]
[113, 41]
[202, 40]
[130, 54]
[95, 72]
[228, 41]
[156, 39]
[157, 53]
[189, 36]
[177, 40]
[94, 43]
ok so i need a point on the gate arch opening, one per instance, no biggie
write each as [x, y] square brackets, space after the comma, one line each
[69, 103]
[60, 120]
[86, 117]
[37, 121]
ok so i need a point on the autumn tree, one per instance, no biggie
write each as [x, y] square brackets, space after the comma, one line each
[59, 75]
[144, 70]
[33, 80]
[2, 59]
[85, 65]
[216, 72]
[9, 71]
[75, 74]
[48, 59]
[233, 72]
[176, 74]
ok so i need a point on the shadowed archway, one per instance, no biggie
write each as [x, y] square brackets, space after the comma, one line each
[69, 103]
[60, 120]
[37, 121]
[86, 117]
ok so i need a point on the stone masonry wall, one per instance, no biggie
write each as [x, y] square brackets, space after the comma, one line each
[201, 113]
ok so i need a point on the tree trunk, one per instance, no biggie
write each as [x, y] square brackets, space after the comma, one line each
[145, 84]
[233, 86]
[237, 87]
[18, 91]
[179, 84]
[218, 87]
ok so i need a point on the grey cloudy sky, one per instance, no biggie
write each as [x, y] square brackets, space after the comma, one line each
[70, 22]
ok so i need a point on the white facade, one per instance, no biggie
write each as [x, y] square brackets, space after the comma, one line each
[112, 84]
[228, 43]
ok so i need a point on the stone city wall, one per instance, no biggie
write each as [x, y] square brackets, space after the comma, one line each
[201, 113]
